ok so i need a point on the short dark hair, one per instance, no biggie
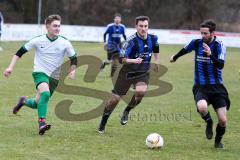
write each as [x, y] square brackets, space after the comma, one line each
[141, 18]
[117, 15]
[52, 18]
[209, 23]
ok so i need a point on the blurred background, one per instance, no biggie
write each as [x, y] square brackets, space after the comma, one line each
[164, 14]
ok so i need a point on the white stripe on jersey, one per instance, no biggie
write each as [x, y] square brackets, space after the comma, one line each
[131, 37]
[125, 45]
[109, 25]
[222, 55]
[122, 25]
[112, 24]
[116, 35]
[187, 44]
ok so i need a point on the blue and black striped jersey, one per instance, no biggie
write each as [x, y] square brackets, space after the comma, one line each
[205, 71]
[137, 47]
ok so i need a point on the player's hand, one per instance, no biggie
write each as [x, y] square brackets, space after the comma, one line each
[206, 49]
[138, 60]
[7, 72]
[171, 59]
[156, 67]
[72, 74]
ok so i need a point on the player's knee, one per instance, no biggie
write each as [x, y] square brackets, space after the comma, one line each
[202, 110]
[222, 121]
[140, 94]
[202, 106]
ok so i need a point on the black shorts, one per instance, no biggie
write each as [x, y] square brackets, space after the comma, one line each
[216, 95]
[126, 79]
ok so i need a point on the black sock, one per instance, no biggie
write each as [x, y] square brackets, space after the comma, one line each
[219, 133]
[128, 109]
[207, 118]
[105, 116]
[133, 103]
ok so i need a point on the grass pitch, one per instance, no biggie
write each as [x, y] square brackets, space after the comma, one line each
[172, 115]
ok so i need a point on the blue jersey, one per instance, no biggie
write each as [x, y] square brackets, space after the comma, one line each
[1, 23]
[114, 36]
[205, 72]
[140, 48]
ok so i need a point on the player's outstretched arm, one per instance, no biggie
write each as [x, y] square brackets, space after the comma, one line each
[7, 72]
[179, 54]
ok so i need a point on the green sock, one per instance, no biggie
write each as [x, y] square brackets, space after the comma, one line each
[31, 103]
[42, 104]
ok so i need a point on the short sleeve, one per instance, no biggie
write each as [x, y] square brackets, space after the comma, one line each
[221, 51]
[69, 49]
[127, 49]
[190, 46]
[31, 44]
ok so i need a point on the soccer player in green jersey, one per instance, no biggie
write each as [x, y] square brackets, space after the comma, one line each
[50, 50]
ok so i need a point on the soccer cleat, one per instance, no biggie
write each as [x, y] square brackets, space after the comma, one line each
[44, 128]
[102, 65]
[218, 145]
[209, 132]
[101, 128]
[19, 104]
[124, 118]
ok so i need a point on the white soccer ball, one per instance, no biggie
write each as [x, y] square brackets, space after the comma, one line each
[154, 140]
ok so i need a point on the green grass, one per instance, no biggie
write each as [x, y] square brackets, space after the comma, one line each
[176, 117]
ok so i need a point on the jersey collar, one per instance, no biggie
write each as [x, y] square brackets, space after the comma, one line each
[213, 41]
[51, 40]
[141, 38]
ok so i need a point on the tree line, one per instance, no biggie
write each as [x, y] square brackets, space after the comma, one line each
[165, 14]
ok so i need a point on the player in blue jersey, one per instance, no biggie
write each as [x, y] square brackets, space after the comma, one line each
[136, 57]
[208, 84]
[115, 31]
[1, 26]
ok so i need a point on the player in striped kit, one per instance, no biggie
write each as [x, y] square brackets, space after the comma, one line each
[208, 84]
[136, 57]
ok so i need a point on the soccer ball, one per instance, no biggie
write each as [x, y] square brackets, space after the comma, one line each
[154, 140]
